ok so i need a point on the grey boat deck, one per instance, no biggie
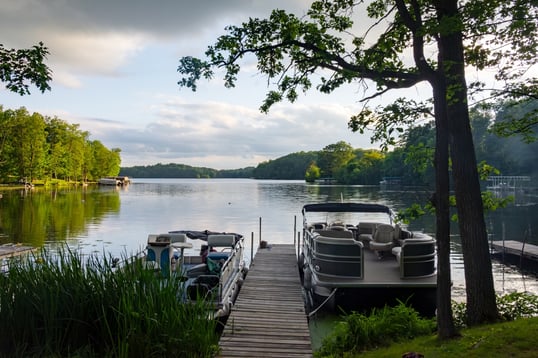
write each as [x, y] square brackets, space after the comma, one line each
[386, 272]
[268, 318]
[512, 247]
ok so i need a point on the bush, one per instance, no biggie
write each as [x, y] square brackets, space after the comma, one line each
[358, 332]
[511, 306]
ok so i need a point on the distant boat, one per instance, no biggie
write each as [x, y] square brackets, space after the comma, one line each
[326, 181]
[109, 181]
[386, 181]
[114, 181]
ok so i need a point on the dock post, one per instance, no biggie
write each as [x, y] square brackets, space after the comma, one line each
[294, 229]
[251, 247]
[298, 245]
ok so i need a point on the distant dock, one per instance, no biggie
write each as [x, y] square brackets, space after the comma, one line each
[11, 250]
[517, 253]
[268, 318]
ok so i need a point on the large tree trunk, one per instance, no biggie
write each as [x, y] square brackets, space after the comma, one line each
[445, 320]
[481, 300]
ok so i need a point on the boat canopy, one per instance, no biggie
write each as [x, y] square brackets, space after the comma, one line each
[202, 235]
[347, 207]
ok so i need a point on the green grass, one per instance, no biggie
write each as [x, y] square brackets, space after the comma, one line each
[508, 339]
[59, 304]
[394, 331]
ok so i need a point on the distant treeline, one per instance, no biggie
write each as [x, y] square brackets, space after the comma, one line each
[411, 160]
[291, 166]
[33, 146]
[173, 170]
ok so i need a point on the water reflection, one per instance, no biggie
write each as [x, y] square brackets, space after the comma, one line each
[38, 216]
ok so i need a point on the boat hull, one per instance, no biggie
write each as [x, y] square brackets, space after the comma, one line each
[364, 299]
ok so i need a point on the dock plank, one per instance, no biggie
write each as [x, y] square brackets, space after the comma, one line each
[269, 316]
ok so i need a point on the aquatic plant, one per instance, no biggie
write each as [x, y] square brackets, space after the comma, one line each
[62, 304]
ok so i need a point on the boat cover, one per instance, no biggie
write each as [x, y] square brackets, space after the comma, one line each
[202, 235]
[347, 207]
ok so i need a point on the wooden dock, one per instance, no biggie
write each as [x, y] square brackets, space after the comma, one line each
[268, 318]
[12, 250]
[512, 247]
[515, 253]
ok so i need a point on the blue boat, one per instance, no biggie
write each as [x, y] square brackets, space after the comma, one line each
[210, 263]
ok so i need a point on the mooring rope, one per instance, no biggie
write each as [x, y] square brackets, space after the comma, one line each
[322, 303]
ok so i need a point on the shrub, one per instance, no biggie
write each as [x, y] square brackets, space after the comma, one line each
[358, 332]
[511, 306]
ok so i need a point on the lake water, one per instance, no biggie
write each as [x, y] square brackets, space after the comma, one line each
[117, 221]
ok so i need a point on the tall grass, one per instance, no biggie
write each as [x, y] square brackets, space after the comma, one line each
[59, 304]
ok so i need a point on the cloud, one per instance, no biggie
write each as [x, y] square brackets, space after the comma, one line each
[225, 136]
[98, 37]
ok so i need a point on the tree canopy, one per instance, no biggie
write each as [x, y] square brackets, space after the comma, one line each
[21, 67]
[36, 147]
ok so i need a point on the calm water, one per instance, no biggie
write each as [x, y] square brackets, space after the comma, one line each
[117, 221]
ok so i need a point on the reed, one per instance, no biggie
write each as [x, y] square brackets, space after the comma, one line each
[60, 304]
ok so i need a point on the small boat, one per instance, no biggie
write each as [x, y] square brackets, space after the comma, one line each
[115, 181]
[354, 256]
[211, 264]
[109, 181]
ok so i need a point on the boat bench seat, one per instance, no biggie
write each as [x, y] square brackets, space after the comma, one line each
[416, 256]
[217, 256]
[338, 257]
[220, 240]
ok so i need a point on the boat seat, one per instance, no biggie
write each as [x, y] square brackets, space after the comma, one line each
[338, 257]
[217, 256]
[197, 270]
[317, 226]
[416, 257]
[220, 240]
[337, 226]
[383, 238]
[346, 234]
[366, 232]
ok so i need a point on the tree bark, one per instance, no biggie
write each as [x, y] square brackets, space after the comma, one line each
[481, 300]
[445, 320]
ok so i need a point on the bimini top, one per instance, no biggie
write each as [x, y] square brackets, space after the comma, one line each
[202, 235]
[347, 207]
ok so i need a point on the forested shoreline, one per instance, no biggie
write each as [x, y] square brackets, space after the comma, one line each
[37, 147]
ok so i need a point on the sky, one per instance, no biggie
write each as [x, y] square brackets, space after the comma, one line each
[114, 69]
